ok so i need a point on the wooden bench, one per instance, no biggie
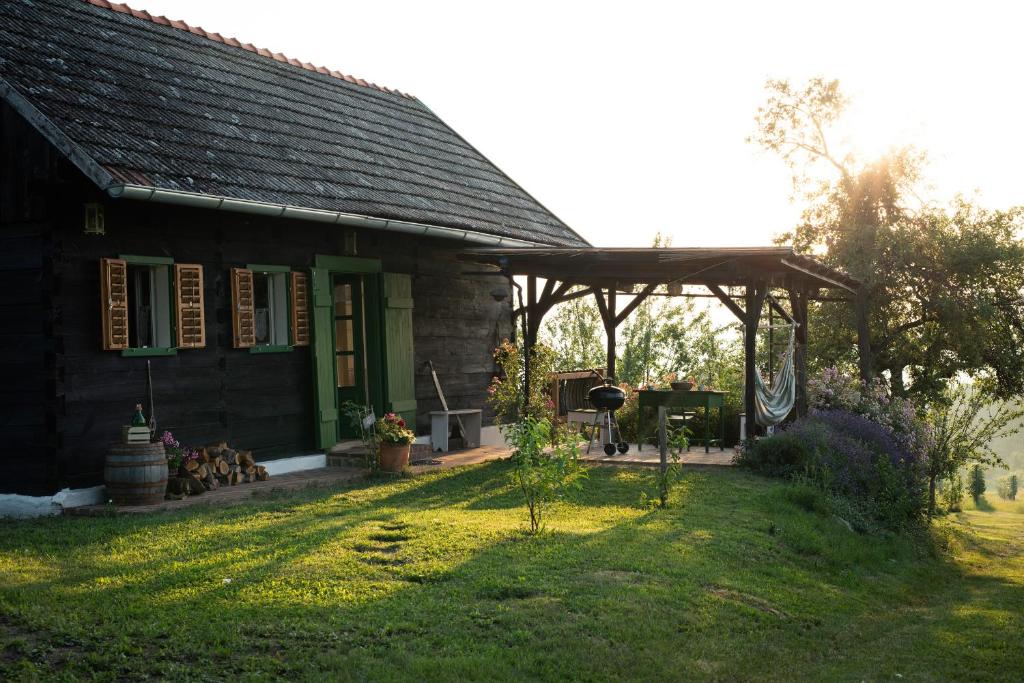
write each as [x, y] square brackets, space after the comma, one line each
[440, 428]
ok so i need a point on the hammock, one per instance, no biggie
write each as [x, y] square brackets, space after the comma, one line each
[771, 406]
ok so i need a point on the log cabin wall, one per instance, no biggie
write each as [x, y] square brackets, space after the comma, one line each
[28, 357]
[72, 397]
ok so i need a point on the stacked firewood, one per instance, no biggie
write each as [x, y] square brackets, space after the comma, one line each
[217, 465]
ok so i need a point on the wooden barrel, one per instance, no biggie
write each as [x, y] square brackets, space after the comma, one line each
[136, 473]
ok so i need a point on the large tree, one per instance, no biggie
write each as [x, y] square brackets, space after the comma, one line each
[943, 285]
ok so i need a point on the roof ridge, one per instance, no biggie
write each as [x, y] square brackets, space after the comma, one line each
[234, 42]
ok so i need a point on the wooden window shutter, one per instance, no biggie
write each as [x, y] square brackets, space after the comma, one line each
[190, 318]
[300, 309]
[243, 314]
[114, 303]
[399, 360]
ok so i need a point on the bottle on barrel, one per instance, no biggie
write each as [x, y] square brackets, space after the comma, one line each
[138, 419]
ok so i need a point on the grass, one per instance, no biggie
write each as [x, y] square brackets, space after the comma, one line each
[432, 578]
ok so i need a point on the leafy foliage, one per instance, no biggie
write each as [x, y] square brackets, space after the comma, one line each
[965, 424]
[505, 393]
[545, 465]
[574, 332]
[858, 443]
[391, 430]
[977, 483]
[943, 283]
[1008, 487]
[357, 415]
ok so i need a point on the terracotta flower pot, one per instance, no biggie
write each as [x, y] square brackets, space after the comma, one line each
[394, 457]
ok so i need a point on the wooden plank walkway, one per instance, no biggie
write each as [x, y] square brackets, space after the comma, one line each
[232, 495]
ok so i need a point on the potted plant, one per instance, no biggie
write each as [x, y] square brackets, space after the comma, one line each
[394, 440]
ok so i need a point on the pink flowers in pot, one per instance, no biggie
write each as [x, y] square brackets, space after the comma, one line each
[391, 429]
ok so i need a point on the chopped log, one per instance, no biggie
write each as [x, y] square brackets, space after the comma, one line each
[261, 473]
[245, 458]
[195, 487]
[192, 465]
[204, 457]
[178, 486]
[229, 456]
[214, 451]
[201, 471]
[209, 481]
[223, 467]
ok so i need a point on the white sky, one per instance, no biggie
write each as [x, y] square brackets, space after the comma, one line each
[629, 118]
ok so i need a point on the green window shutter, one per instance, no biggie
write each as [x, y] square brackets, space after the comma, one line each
[326, 394]
[399, 363]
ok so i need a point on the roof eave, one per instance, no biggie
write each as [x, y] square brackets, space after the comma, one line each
[217, 203]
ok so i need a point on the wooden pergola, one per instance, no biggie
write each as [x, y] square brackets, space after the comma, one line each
[607, 274]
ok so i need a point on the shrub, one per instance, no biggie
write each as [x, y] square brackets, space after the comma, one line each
[953, 493]
[848, 454]
[505, 394]
[545, 465]
[977, 483]
[782, 455]
[1008, 487]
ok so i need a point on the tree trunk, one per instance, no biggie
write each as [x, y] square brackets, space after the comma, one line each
[931, 497]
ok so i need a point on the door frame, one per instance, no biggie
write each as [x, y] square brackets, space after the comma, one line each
[325, 390]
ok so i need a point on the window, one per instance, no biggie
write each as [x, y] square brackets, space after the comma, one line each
[270, 304]
[269, 308]
[150, 305]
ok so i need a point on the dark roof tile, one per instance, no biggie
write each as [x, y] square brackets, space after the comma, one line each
[161, 103]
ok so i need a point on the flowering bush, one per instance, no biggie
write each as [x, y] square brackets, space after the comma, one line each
[505, 394]
[391, 430]
[177, 454]
[857, 442]
[833, 390]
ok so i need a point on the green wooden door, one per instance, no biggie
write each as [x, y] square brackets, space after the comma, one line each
[325, 389]
[399, 361]
[350, 368]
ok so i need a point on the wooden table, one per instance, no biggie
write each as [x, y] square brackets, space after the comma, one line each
[651, 399]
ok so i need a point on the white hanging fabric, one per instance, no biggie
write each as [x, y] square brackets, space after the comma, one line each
[772, 405]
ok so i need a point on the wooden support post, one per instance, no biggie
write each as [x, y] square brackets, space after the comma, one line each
[798, 303]
[528, 336]
[609, 329]
[755, 295]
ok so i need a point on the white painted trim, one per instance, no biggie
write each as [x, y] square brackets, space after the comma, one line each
[297, 463]
[22, 507]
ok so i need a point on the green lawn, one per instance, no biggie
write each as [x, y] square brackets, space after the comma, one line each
[432, 578]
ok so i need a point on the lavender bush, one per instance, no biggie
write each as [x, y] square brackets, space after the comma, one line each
[856, 442]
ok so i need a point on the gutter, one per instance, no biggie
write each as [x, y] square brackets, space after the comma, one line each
[204, 201]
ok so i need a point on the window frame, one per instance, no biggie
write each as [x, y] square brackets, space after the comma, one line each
[167, 262]
[267, 269]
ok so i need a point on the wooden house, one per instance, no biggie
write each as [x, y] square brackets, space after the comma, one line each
[261, 238]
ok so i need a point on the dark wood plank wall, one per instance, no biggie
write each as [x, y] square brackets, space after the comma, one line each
[68, 398]
[28, 370]
[458, 324]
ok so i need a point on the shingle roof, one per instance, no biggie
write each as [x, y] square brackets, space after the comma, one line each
[158, 103]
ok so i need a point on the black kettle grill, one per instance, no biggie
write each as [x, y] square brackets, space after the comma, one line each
[607, 398]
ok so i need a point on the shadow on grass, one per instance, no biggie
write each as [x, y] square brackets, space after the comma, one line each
[640, 594]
